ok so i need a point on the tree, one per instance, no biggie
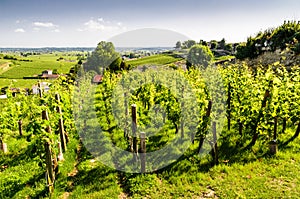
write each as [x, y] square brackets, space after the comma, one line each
[229, 47]
[189, 43]
[102, 57]
[116, 64]
[222, 44]
[178, 45]
[199, 56]
[213, 44]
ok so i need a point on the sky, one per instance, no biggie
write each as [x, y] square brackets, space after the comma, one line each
[74, 23]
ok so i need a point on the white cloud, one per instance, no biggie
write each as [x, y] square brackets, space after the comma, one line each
[94, 25]
[18, 21]
[56, 30]
[20, 30]
[45, 24]
[36, 29]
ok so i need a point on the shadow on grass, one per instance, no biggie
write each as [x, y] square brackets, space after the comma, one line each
[16, 187]
[27, 155]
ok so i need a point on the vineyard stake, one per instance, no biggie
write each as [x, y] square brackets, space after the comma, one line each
[20, 127]
[143, 152]
[229, 107]
[260, 114]
[182, 119]
[215, 144]
[62, 134]
[45, 116]
[126, 116]
[284, 125]
[134, 128]
[60, 154]
[40, 90]
[273, 143]
[4, 147]
[205, 118]
[49, 167]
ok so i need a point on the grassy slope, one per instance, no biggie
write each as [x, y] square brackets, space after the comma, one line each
[252, 175]
[19, 69]
[155, 59]
[240, 174]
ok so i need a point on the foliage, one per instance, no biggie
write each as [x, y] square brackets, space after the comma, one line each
[188, 44]
[178, 45]
[102, 57]
[273, 39]
[199, 56]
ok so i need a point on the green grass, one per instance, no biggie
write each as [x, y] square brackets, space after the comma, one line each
[18, 69]
[223, 58]
[248, 174]
[18, 83]
[155, 59]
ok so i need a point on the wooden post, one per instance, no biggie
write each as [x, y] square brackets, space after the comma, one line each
[45, 116]
[240, 128]
[40, 90]
[284, 125]
[215, 143]
[275, 128]
[208, 111]
[49, 167]
[57, 97]
[229, 107]
[273, 144]
[62, 135]
[4, 147]
[20, 127]
[134, 128]
[126, 116]
[143, 152]
[61, 129]
[182, 119]
[60, 154]
[260, 115]
[206, 119]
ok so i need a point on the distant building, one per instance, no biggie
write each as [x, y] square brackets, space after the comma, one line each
[48, 74]
[44, 86]
[3, 96]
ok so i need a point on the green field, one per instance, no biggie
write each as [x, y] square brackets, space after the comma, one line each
[155, 59]
[13, 75]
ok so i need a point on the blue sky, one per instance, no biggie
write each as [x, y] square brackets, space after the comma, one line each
[71, 23]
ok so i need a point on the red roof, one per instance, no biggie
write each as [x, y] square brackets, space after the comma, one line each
[97, 79]
[45, 76]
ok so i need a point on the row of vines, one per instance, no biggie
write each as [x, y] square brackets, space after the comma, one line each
[42, 125]
[175, 109]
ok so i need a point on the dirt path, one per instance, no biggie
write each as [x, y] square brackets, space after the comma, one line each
[4, 67]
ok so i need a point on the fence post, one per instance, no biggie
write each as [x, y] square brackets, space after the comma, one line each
[143, 152]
